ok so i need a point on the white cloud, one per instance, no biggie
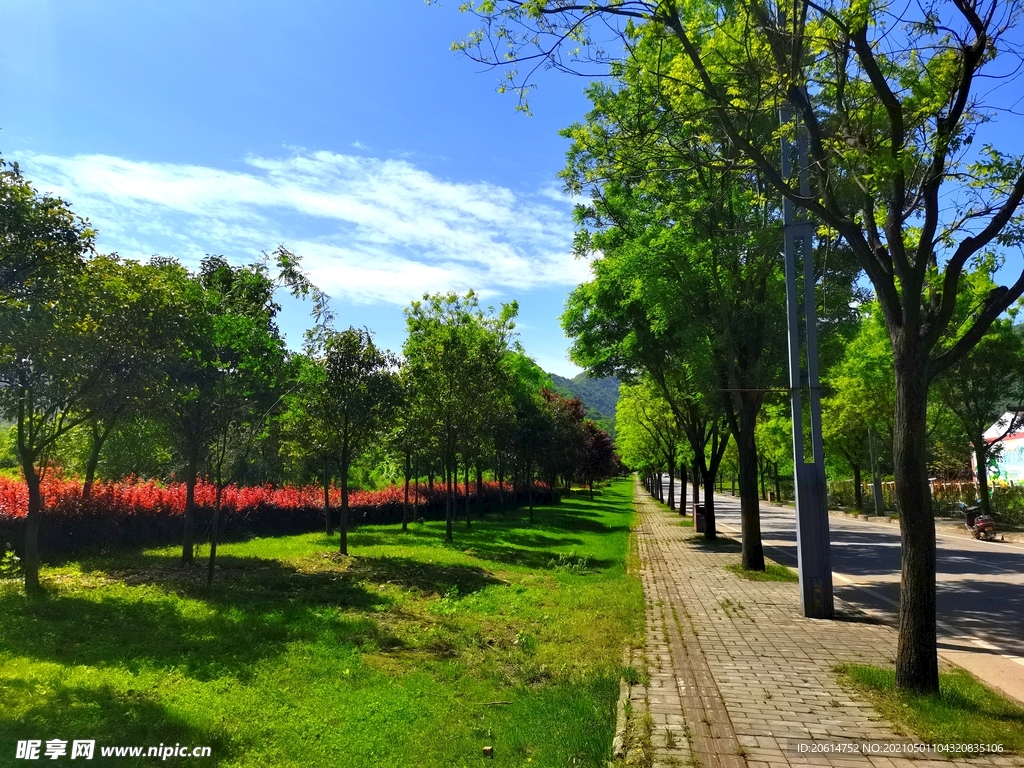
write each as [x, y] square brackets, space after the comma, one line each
[370, 230]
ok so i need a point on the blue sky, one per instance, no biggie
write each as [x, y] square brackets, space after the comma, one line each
[346, 130]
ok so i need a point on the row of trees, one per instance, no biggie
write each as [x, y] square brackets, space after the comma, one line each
[857, 415]
[889, 106]
[98, 351]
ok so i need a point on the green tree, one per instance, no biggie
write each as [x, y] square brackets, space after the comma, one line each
[453, 353]
[50, 368]
[891, 111]
[649, 435]
[349, 395]
[980, 388]
[249, 364]
[862, 397]
[139, 325]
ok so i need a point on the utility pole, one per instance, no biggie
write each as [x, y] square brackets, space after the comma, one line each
[812, 535]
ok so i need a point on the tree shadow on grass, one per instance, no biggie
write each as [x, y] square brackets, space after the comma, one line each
[427, 577]
[253, 613]
[108, 716]
[254, 583]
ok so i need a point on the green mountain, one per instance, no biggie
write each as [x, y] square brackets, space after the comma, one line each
[599, 396]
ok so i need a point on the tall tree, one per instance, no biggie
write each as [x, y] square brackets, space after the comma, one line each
[357, 395]
[453, 354]
[985, 384]
[891, 112]
[50, 367]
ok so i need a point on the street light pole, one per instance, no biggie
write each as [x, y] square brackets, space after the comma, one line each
[812, 535]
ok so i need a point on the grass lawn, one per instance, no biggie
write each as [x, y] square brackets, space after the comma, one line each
[964, 712]
[408, 653]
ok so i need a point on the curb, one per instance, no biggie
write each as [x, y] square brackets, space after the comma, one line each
[1010, 537]
[619, 742]
[621, 721]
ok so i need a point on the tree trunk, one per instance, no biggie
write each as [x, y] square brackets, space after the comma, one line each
[449, 505]
[858, 496]
[917, 653]
[99, 437]
[671, 485]
[405, 501]
[501, 486]
[465, 474]
[710, 532]
[778, 486]
[682, 489]
[213, 533]
[762, 467]
[529, 487]
[343, 523]
[455, 489]
[189, 515]
[32, 520]
[416, 491]
[981, 457]
[750, 509]
[696, 483]
[479, 489]
[327, 500]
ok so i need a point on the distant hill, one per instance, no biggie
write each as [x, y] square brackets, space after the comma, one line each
[599, 396]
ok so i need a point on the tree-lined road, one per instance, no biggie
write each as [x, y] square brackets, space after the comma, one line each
[980, 585]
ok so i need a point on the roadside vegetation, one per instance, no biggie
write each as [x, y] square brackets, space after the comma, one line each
[772, 572]
[963, 712]
[411, 652]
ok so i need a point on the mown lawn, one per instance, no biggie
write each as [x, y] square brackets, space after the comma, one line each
[408, 653]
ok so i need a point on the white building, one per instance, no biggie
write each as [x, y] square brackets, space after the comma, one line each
[1009, 466]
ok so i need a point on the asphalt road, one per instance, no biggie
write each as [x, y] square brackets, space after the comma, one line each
[980, 585]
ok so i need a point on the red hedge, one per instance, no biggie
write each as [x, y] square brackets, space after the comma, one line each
[131, 513]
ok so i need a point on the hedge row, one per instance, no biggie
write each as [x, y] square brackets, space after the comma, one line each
[133, 514]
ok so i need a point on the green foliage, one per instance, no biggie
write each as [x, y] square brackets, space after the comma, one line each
[10, 563]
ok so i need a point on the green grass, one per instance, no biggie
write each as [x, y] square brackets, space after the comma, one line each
[772, 572]
[964, 712]
[408, 653]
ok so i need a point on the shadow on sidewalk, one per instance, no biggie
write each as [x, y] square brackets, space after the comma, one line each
[719, 544]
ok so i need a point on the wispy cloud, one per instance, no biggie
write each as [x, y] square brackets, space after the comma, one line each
[369, 229]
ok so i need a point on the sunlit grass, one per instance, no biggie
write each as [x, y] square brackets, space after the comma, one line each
[964, 712]
[772, 572]
[410, 652]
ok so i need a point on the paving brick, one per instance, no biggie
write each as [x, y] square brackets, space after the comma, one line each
[734, 664]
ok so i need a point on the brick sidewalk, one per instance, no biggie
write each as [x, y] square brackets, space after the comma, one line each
[735, 670]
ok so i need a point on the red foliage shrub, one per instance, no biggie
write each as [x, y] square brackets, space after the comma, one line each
[133, 513]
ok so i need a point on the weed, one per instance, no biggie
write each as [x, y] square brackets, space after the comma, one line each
[732, 610]
[571, 563]
[10, 563]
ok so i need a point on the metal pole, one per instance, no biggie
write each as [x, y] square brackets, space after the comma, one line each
[812, 535]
